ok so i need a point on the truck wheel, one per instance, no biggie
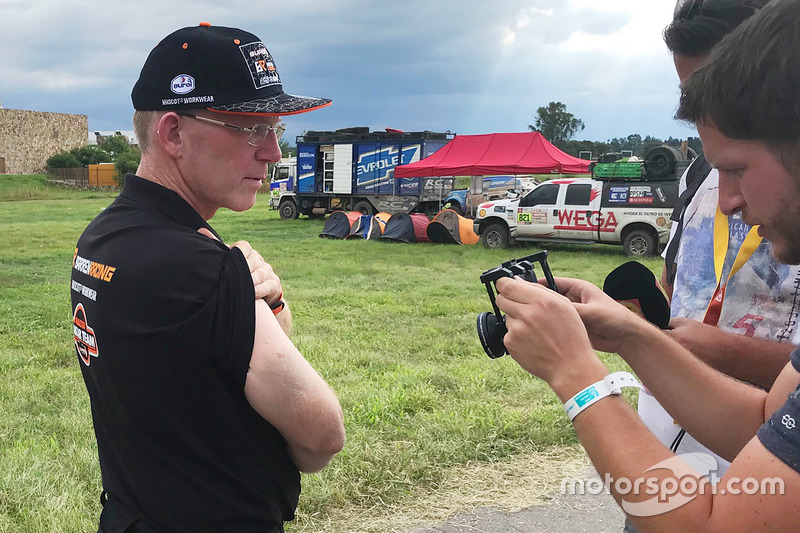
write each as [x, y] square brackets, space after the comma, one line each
[365, 207]
[455, 206]
[495, 236]
[640, 243]
[288, 210]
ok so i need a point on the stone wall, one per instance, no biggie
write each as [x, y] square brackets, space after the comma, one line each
[28, 138]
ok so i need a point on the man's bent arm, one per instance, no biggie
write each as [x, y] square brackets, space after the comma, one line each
[720, 412]
[284, 389]
[757, 361]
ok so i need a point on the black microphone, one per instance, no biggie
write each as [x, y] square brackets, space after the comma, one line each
[637, 288]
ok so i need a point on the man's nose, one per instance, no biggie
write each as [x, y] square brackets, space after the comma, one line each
[730, 194]
[269, 150]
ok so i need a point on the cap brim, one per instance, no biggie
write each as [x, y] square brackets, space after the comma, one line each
[282, 104]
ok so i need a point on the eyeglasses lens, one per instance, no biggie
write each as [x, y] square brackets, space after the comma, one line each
[261, 132]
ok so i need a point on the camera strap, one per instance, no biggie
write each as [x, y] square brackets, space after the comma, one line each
[611, 384]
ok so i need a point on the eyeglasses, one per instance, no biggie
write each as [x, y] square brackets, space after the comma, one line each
[684, 9]
[258, 133]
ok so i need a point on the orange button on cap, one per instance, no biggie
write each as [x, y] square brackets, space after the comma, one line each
[205, 24]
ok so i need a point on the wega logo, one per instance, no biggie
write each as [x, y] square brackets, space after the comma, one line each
[182, 84]
[85, 339]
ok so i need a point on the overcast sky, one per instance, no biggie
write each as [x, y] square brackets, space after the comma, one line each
[468, 66]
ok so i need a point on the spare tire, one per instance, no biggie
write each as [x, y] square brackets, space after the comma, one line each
[660, 162]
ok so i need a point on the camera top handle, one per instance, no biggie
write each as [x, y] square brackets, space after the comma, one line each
[522, 267]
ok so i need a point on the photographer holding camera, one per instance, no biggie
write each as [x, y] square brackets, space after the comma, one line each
[747, 108]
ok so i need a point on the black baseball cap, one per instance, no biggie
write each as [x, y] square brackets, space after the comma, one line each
[217, 68]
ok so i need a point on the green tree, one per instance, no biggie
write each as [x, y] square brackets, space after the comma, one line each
[287, 150]
[115, 145]
[91, 155]
[556, 124]
[127, 163]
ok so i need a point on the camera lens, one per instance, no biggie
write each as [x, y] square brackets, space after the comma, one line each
[491, 332]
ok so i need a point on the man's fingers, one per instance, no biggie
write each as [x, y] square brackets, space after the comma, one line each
[245, 247]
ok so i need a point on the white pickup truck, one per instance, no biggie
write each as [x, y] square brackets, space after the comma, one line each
[634, 213]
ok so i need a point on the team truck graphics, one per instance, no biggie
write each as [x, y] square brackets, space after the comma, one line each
[634, 213]
[353, 169]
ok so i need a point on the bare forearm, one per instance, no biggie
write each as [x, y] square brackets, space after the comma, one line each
[722, 413]
[757, 361]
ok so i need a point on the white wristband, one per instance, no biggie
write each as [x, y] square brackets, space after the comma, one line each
[611, 384]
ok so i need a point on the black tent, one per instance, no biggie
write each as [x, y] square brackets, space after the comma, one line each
[338, 225]
[400, 228]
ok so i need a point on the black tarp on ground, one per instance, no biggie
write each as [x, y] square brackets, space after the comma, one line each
[338, 225]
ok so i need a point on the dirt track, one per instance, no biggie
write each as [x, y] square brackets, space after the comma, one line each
[573, 514]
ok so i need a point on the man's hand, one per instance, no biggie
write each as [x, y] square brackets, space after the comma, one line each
[693, 335]
[546, 336]
[265, 281]
[267, 284]
[607, 322]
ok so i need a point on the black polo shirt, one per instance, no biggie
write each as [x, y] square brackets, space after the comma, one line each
[164, 322]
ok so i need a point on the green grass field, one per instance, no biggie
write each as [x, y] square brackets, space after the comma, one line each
[390, 326]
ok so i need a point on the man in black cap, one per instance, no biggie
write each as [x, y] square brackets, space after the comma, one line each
[204, 410]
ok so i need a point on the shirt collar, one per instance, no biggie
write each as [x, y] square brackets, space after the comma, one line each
[166, 201]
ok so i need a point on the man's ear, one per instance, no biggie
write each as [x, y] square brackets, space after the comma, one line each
[168, 133]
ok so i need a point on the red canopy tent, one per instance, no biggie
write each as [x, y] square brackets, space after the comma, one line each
[495, 153]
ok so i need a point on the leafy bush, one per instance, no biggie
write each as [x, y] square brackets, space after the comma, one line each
[63, 160]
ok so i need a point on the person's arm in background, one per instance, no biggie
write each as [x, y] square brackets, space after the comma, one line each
[757, 361]
[287, 392]
[666, 285]
[547, 338]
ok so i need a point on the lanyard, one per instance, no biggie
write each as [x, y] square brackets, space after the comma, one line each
[721, 241]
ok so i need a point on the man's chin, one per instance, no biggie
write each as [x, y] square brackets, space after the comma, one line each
[788, 255]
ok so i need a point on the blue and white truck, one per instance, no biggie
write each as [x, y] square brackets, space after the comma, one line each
[486, 188]
[353, 169]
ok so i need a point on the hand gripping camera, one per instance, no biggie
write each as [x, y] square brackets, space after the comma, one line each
[492, 326]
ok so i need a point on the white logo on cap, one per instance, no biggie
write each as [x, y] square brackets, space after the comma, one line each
[182, 84]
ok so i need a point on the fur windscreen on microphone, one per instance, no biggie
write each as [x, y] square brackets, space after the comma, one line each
[637, 288]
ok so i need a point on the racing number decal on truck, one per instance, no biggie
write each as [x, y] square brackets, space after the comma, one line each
[527, 216]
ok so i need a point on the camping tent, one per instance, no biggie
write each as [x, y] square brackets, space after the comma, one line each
[495, 153]
[403, 227]
[366, 227]
[448, 227]
[338, 224]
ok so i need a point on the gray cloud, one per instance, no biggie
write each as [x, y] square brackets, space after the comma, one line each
[468, 66]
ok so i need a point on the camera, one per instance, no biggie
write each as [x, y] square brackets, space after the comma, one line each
[492, 326]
